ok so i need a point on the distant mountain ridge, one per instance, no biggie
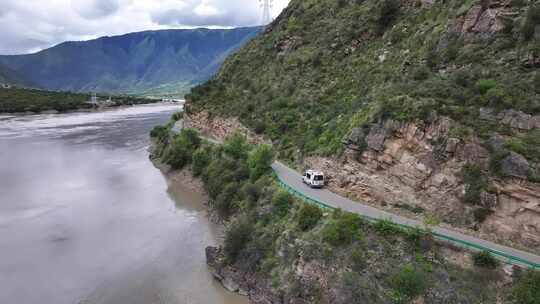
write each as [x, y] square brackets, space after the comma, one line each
[167, 61]
[10, 77]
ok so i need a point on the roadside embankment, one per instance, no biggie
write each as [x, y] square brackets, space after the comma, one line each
[277, 249]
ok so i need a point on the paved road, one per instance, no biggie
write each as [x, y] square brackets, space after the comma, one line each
[294, 180]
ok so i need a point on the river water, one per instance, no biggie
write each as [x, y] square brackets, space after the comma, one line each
[86, 218]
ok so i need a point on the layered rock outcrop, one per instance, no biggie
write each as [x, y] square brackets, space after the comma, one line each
[418, 166]
[415, 169]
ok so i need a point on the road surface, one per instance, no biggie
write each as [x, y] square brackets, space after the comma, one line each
[293, 179]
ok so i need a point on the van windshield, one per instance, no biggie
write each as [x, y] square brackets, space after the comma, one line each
[318, 177]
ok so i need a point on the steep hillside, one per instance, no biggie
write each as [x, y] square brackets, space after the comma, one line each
[157, 62]
[423, 107]
[9, 77]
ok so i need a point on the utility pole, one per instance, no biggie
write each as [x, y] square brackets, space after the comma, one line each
[266, 6]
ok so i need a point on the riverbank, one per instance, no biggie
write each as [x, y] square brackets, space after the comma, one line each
[23, 101]
[277, 249]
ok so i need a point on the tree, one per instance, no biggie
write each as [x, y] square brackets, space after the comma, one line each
[236, 146]
[236, 238]
[308, 216]
[407, 284]
[260, 161]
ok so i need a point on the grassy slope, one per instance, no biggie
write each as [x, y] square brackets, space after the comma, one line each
[23, 100]
[320, 71]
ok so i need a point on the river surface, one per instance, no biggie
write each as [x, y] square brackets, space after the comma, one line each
[86, 218]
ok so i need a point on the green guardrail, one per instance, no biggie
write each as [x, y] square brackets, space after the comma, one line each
[504, 257]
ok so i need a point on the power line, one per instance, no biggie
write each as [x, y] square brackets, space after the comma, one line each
[266, 6]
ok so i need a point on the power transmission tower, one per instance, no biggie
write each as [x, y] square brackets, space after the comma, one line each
[266, 5]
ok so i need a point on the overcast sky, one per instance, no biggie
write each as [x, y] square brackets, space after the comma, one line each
[31, 25]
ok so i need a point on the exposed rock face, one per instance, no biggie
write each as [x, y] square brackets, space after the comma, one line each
[488, 200]
[376, 137]
[219, 128]
[416, 164]
[287, 45]
[234, 279]
[483, 20]
[355, 138]
[513, 118]
[515, 165]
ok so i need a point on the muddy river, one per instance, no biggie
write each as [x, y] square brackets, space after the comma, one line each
[86, 218]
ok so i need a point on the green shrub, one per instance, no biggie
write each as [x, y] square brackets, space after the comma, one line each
[387, 227]
[252, 192]
[282, 202]
[416, 234]
[177, 116]
[481, 214]
[159, 132]
[294, 25]
[496, 97]
[484, 259]
[236, 146]
[528, 145]
[236, 238]
[358, 259]
[532, 19]
[388, 12]
[260, 161]
[475, 182]
[407, 284]
[484, 85]
[536, 82]
[495, 161]
[343, 229]
[421, 73]
[225, 202]
[178, 153]
[462, 78]
[308, 216]
[517, 145]
[527, 290]
[201, 159]
[355, 288]
[176, 156]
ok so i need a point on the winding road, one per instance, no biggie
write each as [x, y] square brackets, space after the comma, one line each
[293, 181]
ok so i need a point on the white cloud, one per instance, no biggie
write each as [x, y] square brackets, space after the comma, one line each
[31, 25]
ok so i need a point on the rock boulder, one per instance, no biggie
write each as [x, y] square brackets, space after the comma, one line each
[376, 138]
[515, 165]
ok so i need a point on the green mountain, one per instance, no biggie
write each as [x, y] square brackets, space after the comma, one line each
[10, 77]
[328, 66]
[155, 62]
[424, 108]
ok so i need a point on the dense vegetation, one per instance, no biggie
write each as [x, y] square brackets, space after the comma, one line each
[327, 66]
[270, 232]
[154, 63]
[14, 100]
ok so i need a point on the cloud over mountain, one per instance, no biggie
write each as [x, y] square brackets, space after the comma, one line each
[32, 25]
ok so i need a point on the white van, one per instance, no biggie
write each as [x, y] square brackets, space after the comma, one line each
[314, 179]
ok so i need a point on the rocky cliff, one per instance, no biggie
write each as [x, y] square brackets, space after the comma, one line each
[424, 107]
